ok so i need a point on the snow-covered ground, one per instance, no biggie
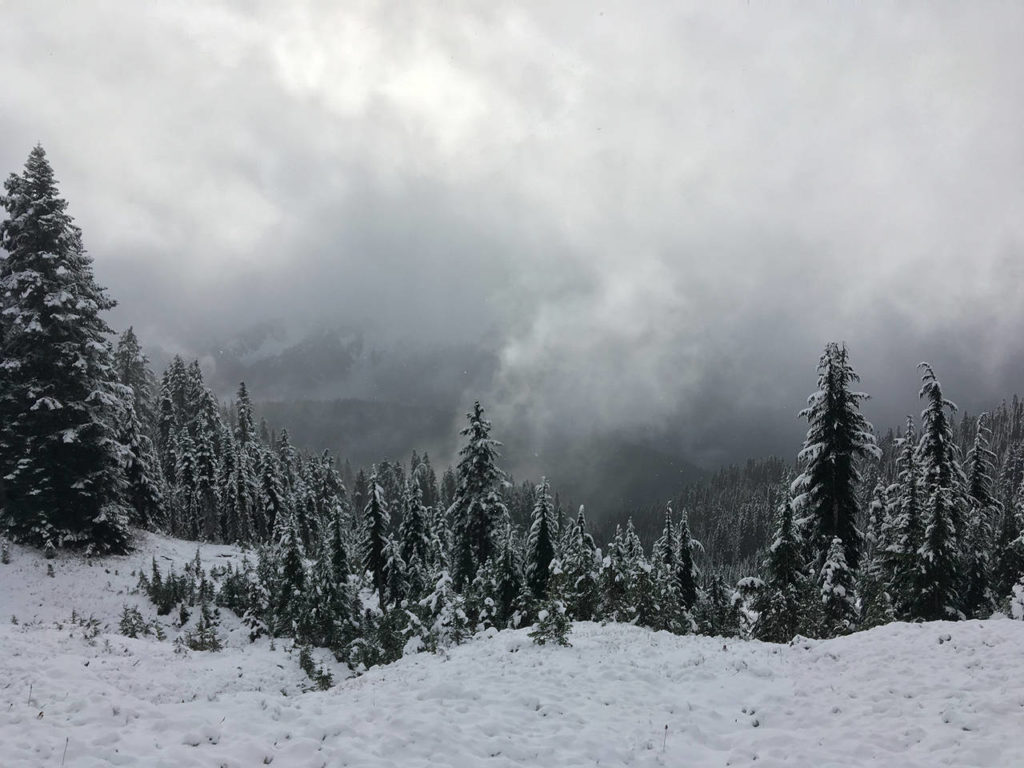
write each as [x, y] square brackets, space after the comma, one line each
[903, 695]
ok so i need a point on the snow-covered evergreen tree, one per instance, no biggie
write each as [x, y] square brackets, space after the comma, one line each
[982, 511]
[837, 437]
[903, 531]
[940, 577]
[290, 598]
[477, 511]
[781, 603]
[132, 369]
[63, 481]
[509, 584]
[686, 569]
[540, 544]
[245, 431]
[374, 545]
[1008, 566]
[836, 585]
[415, 541]
[580, 566]
[144, 492]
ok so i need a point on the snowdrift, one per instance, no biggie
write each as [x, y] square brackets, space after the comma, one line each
[78, 694]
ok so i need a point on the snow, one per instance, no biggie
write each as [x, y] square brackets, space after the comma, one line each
[902, 695]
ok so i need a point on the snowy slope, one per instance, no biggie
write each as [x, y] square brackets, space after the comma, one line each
[902, 695]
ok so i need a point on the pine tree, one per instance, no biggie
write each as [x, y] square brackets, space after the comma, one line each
[665, 573]
[939, 590]
[540, 545]
[415, 540]
[837, 436]
[509, 583]
[445, 615]
[132, 369]
[983, 510]
[397, 584]
[582, 593]
[903, 532]
[245, 432]
[144, 481]
[1009, 560]
[780, 604]
[686, 570]
[376, 520]
[290, 598]
[477, 511]
[269, 498]
[336, 548]
[836, 584]
[59, 457]
[717, 613]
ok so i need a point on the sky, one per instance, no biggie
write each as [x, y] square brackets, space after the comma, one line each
[653, 215]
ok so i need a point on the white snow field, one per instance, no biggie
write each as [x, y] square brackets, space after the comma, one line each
[940, 694]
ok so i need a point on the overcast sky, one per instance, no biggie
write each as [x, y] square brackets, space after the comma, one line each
[653, 213]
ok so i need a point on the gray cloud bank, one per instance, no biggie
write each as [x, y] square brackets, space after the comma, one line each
[649, 216]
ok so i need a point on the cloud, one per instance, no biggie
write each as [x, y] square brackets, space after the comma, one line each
[655, 215]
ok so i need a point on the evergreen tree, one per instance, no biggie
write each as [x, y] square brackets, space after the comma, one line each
[540, 545]
[328, 607]
[509, 583]
[59, 457]
[269, 500]
[780, 604]
[1009, 559]
[415, 542]
[903, 532]
[132, 369]
[397, 584]
[582, 591]
[477, 511]
[337, 550]
[144, 482]
[717, 613]
[983, 510]
[836, 583]
[837, 436]
[446, 621]
[245, 432]
[376, 520]
[290, 599]
[686, 570]
[939, 590]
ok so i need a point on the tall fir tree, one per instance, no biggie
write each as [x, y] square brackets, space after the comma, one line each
[477, 511]
[838, 601]
[686, 569]
[374, 545]
[132, 368]
[982, 511]
[582, 591]
[415, 541]
[540, 544]
[144, 491]
[838, 436]
[780, 605]
[245, 431]
[903, 531]
[62, 480]
[940, 578]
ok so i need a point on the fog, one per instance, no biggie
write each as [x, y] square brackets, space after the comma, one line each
[636, 219]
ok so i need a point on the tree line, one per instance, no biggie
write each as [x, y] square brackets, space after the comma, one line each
[92, 444]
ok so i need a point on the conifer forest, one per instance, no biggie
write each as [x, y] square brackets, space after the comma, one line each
[921, 522]
[511, 384]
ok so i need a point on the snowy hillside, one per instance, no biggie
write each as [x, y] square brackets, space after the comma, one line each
[900, 695]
